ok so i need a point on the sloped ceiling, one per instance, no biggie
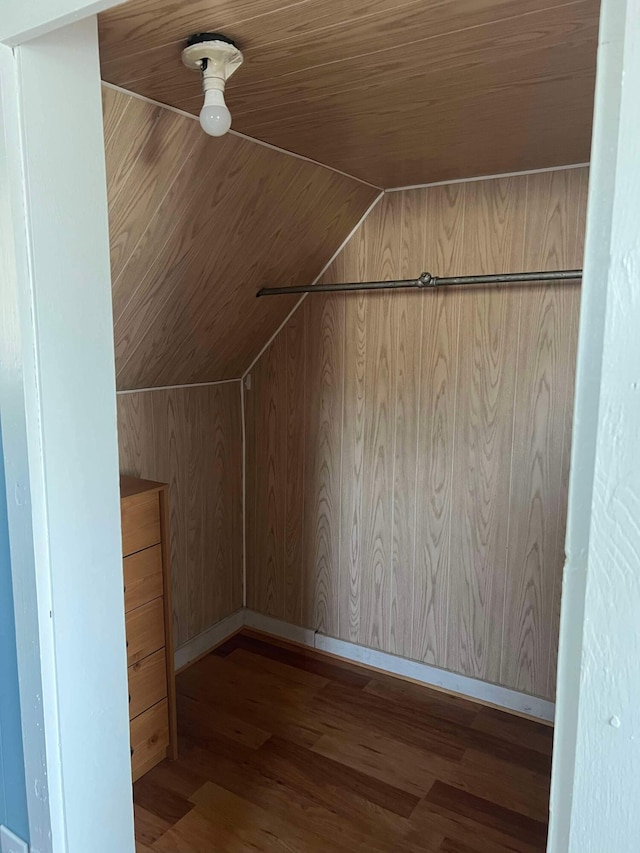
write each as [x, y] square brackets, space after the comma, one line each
[392, 92]
[197, 225]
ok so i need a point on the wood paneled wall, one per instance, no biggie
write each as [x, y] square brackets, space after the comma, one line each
[191, 438]
[407, 453]
[197, 225]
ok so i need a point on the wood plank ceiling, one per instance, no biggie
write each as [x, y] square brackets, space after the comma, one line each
[196, 226]
[394, 93]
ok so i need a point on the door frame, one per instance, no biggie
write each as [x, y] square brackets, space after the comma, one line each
[57, 392]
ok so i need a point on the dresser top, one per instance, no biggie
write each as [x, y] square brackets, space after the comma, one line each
[135, 486]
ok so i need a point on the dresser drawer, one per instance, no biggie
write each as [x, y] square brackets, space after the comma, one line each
[142, 577]
[149, 739]
[147, 683]
[140, 517]
[145, 630]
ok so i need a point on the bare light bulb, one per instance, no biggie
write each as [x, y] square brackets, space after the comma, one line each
[215, 118]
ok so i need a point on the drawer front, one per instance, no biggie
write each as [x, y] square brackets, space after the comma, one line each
[147, 683]
[149, 739]
[142, 577]
[145, 630]
[140, 516]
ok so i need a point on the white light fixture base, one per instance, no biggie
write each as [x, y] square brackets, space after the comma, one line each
[216, 57]
[222, 58]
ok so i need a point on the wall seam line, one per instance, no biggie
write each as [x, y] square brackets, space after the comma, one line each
[185, 114]
[335, 255]
[496, 177]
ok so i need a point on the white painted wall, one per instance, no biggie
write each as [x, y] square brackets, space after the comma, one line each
[596, 771]
[22, 20]
[62, 462]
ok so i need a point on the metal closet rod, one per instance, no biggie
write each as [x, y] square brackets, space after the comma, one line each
[426, 280]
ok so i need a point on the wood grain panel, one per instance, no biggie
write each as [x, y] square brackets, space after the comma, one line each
[382, 251]
[436, 434]
[325, 319]
[306, 81]
[191, 439]
[196, 227]
[441, 217]
[352, 444]
[483, 433]
[270, 482]
[407, 360]
[544, 401]
[295, 339]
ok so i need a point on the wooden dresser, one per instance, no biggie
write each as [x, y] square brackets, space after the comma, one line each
[148, 615]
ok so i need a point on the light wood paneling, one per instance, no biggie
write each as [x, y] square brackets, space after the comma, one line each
[196, 227]
[191, 439]
[361, 86]
[436, 436]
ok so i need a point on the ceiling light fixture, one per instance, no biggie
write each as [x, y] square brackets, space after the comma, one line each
[216, 57]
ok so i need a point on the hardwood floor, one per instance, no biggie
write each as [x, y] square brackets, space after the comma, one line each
[282, 749]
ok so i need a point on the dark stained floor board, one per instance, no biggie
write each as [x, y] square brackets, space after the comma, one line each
[284, 750]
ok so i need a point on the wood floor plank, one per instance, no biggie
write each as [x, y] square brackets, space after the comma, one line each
[511, 729]
[408, 768]
[174, 777]
[374, 714]
[259, 783]
[486, 812]
[256, 826]
[463, 829]
[202, 719]
[300, 658]
[160, 801]
[195, 834]
[280, 672]
[282, 749]
[420, 701]
[516, 788]
[149, 826]
[307, 767]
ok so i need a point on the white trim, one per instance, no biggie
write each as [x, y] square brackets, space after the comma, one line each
[313, 283]
[22, 22]
[244, 495]
[279, 628]
[64, 360]
[471, 688]
[175, 387]
[487, 177]
[240, 135]
[209, 639]
[10, 843]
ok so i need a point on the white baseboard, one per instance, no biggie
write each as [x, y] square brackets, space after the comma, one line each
[423, 673]
[209, 639]
[284, 630]
[451, 682]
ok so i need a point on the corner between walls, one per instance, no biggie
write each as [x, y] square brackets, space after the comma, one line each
[483, 692]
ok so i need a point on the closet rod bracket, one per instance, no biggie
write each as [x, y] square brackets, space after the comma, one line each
[427, 280]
